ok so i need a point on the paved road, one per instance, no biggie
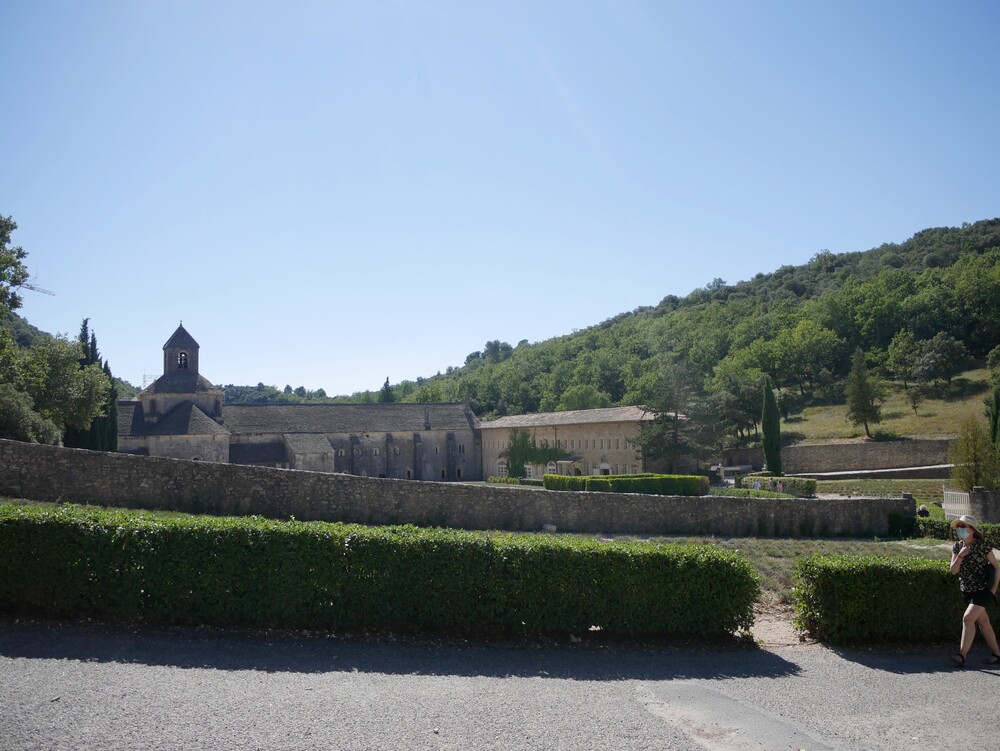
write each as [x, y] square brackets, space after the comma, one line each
[85, 686]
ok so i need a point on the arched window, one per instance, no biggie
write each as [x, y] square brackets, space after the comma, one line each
[182, 361]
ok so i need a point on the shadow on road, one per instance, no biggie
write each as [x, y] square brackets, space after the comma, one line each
[293, 652]
[914, 660]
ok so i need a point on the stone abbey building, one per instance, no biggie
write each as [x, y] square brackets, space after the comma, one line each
[181, 415]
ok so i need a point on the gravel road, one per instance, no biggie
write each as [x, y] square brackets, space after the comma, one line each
[67, 685]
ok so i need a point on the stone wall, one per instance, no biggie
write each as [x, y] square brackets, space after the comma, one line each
[843, 457]
[985, 505]
[50, 473]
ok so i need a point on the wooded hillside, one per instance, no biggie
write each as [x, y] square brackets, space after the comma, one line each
[799, 325]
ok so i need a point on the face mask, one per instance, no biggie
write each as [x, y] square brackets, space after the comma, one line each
[962, 533]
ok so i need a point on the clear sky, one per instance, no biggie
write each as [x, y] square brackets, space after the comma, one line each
[332, 193]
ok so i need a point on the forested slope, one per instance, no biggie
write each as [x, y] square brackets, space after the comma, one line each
[921, 311]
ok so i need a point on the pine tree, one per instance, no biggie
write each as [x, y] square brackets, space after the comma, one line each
[864, 394]
[771, 425]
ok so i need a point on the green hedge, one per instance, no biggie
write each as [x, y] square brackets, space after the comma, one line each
[941, 530]
[747, 493]
[855, 599]
[71, 561]
[648, 484]
[801, 487]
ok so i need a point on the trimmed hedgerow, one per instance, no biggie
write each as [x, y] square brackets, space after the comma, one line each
[747, 493]
[941, 530]
[801, 487]
[72, 561]
[855, 599]
[648, 484]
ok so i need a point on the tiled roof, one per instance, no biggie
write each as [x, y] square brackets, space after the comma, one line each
[180, 382]
[267, 454]
[181, 338]
[572, 417]
[184, 419]
[307, 443]
[346, 418]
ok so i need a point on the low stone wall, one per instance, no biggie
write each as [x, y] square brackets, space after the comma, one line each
[50, 473]
[844, 457]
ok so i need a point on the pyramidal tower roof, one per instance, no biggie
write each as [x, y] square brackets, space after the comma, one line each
[181, 338]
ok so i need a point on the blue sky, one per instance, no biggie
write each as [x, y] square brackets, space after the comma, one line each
[332, 193]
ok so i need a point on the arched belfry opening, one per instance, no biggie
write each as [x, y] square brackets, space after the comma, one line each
[182, 360]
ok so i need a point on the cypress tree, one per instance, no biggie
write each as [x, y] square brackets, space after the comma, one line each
[864, 394]
[994, 415]
[102, 435]
[770, 422]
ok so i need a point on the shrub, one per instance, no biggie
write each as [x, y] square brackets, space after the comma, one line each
[854, 599]
[251, 571]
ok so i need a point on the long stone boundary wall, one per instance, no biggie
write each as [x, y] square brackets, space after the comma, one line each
[50, 473]
[844, 457]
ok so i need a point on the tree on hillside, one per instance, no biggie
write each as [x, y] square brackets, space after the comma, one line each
[941, 358]
[582, 396]
[902, 356]
[497, 351]
[975, 459]
[770, 422]
[864, 394]
[13, 273]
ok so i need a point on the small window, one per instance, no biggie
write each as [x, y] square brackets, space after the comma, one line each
[376, 452]
[459, 473]
[437, 449]
[409, 475]
[340, 453]
[461, 448]
[443, 475]
[182, 360]
[395, 450]
[617, 443]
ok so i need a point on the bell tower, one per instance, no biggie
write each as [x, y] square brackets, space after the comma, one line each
[180, 353]
[181, 382]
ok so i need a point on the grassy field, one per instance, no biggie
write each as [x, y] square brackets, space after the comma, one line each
[924, 491]
[936, 416]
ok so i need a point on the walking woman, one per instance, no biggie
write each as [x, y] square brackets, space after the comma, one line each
[971, 559]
